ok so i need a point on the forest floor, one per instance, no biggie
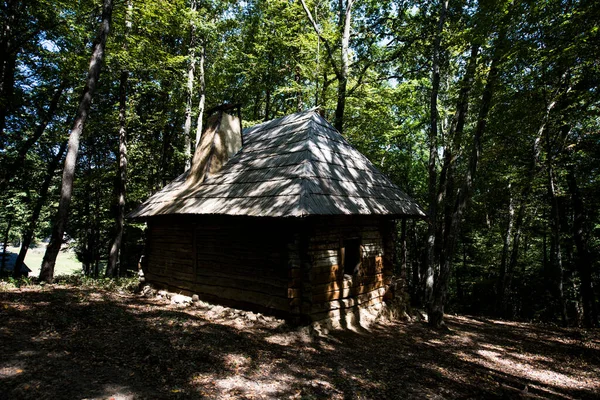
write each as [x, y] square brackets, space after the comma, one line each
[66, 342]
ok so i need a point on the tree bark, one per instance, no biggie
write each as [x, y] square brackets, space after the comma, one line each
[298, 80]
[555, 245]
[584, 257]
[344, 67]
[113, 266]
[432, 164]
[41, 200]
[440, 289]
[114, 253]
[189, 93]
[201, 78]
[8, 62]
[501, 304]
[5, 241]
[47, 269]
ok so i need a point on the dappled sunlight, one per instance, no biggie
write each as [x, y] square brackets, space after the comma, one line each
[497, 361]
[125, 346]
[10, 371]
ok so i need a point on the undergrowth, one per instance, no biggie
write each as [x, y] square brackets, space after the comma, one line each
[125, 284]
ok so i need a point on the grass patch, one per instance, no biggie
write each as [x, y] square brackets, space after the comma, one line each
[66, 262]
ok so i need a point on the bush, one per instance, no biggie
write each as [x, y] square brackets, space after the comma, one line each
[127, 284]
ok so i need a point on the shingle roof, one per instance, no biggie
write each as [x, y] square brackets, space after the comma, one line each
[294, 166]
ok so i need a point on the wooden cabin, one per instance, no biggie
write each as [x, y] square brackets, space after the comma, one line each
[284, 218]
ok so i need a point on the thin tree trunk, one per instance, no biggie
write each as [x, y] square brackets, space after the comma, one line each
[440, 289]
[403, 253]
[112, 268]
[297, 79]
[415, 267]
[38, 132]
[533, 170]
[584, 258]
[41, 200]
[114, 254]
[8, 62]
[501, 304]
[8, 83]
[5, 241]
[431, 165]
[268, 94]
[344, 67]
[201, 78]
[47, 269]
[555, 245]
[342, 72]
[447, 180]
[189, 93]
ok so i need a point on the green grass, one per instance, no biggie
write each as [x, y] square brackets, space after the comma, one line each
[66, 262]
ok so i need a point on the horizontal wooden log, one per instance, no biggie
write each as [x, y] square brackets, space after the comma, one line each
[334, 293]
[242, 305]
[275, 281]
[266, 285]
[220, 292]
[260, 271]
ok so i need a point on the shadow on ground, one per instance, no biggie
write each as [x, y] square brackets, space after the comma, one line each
[65, 343]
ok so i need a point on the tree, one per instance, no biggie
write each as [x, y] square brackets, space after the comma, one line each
[47, 269]
[112, 268]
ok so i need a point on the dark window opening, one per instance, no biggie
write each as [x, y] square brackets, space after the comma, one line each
[351, 255]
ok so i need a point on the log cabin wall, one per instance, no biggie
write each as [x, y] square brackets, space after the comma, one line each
[333, 292]
[242, 262]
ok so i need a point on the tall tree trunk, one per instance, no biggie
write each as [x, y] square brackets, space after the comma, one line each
[41, 200]
[432, 163]
[268, 85]
[8, 84]
[344, 65]
[38, 132]
[446, 186]
[440, 289]
[341, 72]
[533, 170]
[403, 253]
[47, 269]
[298, 80]
[9, 50]
[189, 92]
[555, 244]
[501, 304]
[5, 241]
[112, 268]
[114, 253]
[584, 257]
[201, 78]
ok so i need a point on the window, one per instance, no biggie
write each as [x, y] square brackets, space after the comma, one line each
[351, 255]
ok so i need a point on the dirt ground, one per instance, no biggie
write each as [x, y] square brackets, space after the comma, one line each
[62, 342]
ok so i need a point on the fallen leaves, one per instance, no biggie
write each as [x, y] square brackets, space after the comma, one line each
[69, 342]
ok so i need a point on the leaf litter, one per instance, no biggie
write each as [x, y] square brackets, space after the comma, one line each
[68, 342]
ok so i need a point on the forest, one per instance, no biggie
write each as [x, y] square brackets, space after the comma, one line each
[485, 112]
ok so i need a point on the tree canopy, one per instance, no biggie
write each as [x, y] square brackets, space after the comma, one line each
[486, 112]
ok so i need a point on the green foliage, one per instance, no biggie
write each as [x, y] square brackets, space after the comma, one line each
[266, 56]
[121, 284]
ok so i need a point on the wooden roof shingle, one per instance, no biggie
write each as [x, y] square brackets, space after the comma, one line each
[295, 166]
